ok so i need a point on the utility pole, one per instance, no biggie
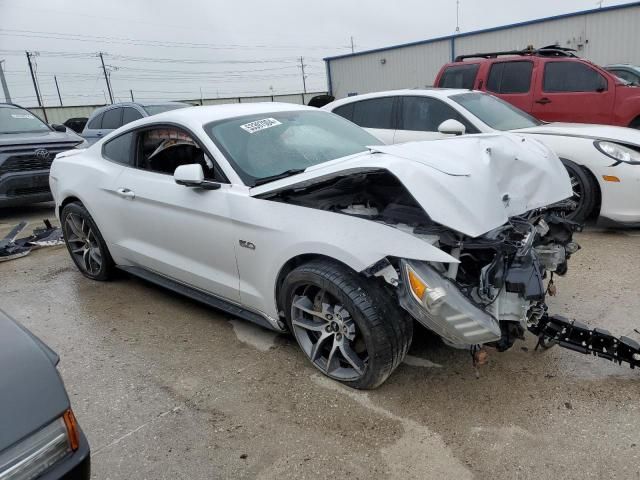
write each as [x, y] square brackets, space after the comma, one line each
[7, 97]
[106, 77]
[304, 77]
[55, 79]
[131, 92]
[352, 46]
[35, 87]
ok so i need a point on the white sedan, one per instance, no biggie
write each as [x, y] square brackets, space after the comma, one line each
[603, 161]
[296, 219]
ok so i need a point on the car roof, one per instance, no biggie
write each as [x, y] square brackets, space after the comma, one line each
[134, 104]
[427, 92]
[212, 113]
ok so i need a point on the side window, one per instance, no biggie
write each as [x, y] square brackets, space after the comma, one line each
[572, 77]
[96, 122]
[112, 119]
[374, 113]
[459, 76]
[164, 149]
[120, 149]
[510, 77]
[129, 115]
[345, 111]
[424, 114]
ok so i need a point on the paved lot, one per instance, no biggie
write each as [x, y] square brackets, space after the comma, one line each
[166, 388]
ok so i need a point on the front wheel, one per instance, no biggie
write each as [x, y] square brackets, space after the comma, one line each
[583, 199]
[348, 327]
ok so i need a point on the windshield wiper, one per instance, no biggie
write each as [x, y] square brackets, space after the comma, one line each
[278, 176]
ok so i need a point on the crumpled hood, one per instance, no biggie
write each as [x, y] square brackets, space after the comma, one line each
[586, 130]
[471, 184]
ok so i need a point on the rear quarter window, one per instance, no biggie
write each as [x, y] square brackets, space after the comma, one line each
[120, 149]
[96, 122]
[459, 76]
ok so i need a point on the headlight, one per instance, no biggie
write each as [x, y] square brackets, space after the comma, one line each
[618, 152]
[35, 454]
[83, 144]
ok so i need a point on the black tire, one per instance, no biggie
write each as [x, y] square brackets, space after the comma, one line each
[83, 250]
[382, 328]
[585, 192]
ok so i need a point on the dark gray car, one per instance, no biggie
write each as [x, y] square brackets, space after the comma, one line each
[106, 119]
[39, 435]
[629, 73]
[27, 148]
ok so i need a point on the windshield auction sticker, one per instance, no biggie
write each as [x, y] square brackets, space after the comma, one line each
[21, 115]
[258, 125]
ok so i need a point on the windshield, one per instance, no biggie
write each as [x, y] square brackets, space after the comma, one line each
[270, 144]
[155, 109]
[494, 112]
[17, 120]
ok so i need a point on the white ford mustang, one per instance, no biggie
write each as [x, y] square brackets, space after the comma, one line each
[296, 219]
[603, 161]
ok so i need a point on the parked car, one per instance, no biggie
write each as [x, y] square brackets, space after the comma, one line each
[27, 148]
[107, 119]
[551, 84]
[603, 162]
[628, 73]
[40, 436]
[297, 219]
[76, 124]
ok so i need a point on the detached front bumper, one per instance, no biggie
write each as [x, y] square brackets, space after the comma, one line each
[22, 188]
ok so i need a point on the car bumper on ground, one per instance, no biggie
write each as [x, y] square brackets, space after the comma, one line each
[76, 466]
[21, 188]
[620, 187]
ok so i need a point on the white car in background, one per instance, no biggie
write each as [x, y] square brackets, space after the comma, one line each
[603, 161]
[296, 219]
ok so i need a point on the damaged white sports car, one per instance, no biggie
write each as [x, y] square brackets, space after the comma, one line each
[299, 220]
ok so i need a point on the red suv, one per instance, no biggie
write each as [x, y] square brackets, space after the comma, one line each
[551, 84]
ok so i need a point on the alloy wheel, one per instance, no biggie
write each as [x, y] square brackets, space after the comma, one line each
[83, 244]
[328, 334]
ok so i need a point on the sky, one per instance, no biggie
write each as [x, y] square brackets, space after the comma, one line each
[174, 50]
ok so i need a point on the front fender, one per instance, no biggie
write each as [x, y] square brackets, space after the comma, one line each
[279, 232]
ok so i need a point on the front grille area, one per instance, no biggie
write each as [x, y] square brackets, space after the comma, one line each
[18, 192]
[21, 158]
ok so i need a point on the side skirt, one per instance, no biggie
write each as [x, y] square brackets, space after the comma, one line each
[204, 297]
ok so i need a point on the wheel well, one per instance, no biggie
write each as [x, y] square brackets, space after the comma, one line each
[293, 263]
[635, 123]
[69, 200]
[595, 213]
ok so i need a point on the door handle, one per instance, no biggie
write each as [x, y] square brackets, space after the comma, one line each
[543, 101]
[126, 193]
[99, 134]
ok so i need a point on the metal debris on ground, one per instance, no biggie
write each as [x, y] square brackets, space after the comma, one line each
[12, 248]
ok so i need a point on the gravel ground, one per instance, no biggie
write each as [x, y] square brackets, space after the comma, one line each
[167, 388]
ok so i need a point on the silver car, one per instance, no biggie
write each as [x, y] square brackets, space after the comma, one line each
[106, 119]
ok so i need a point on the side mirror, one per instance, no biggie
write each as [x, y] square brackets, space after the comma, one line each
[192, 176]
[452, 127]
[58, 127]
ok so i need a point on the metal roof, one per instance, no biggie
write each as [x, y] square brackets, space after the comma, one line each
[487, 30]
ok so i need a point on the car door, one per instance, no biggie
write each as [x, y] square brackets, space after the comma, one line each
[419, 118]
[573, 91]
[511, 81]
[376, 115]
[180, 232]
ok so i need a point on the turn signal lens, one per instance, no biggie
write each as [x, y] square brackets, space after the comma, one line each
[611, 178]
[72, 429]
[418, 287]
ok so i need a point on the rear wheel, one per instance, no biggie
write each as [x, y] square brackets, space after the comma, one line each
[348, 327]
[84, 241]
[584, 196]
[635, 124]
